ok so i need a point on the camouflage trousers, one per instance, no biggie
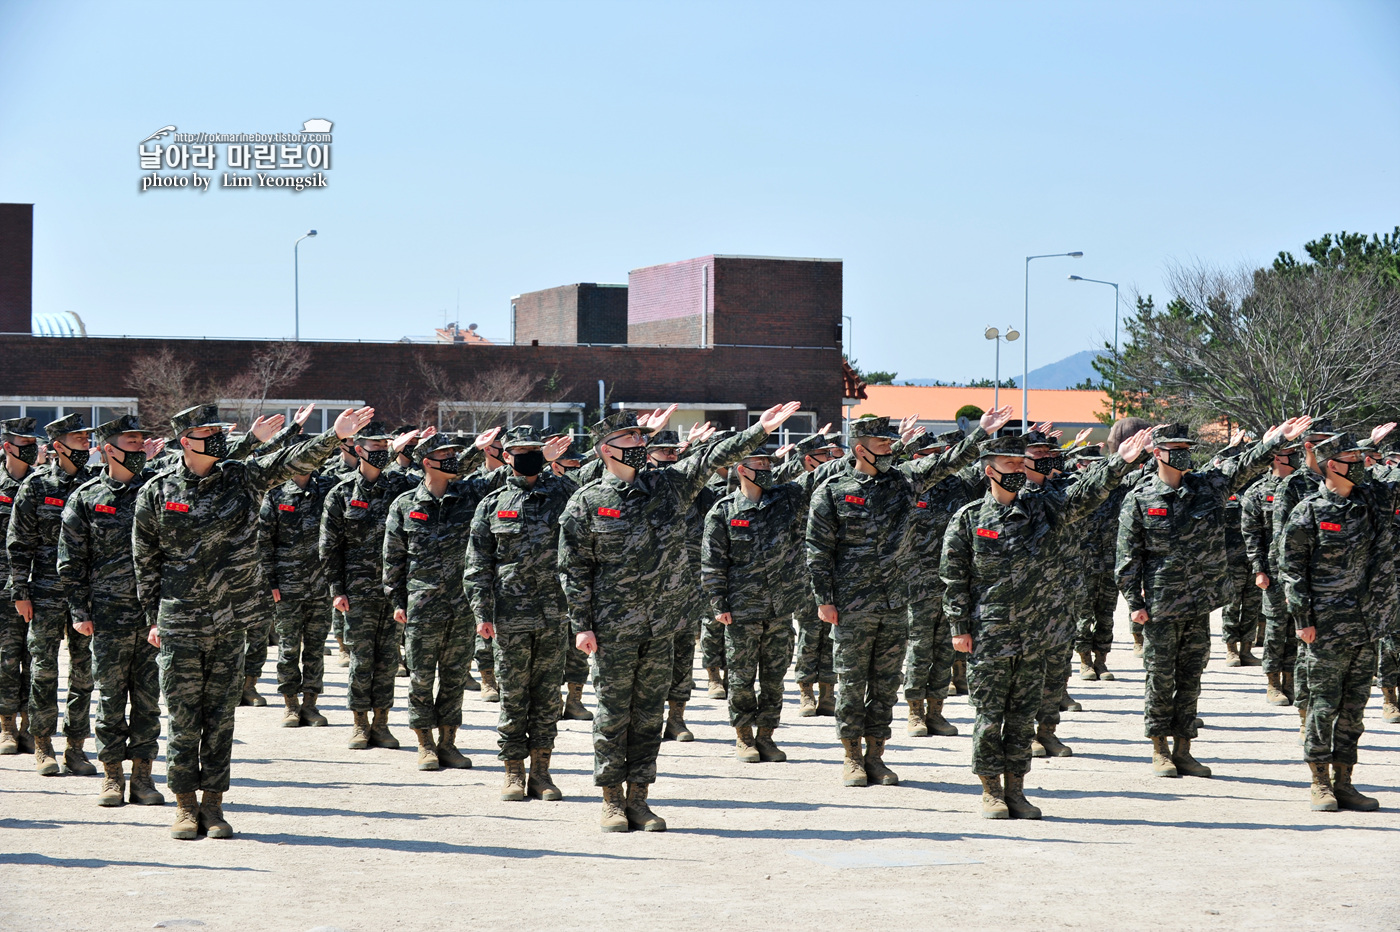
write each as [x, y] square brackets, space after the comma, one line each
[1280, 645]
[14, 662]
[868, 651]
[576, 661]
[372, 637]
[683, 664]
[1095, 608]
[258, 630]
[1388, 661]
[337, 624]
[529, 666]
[1339, 685]
[1174, 656]
[437, 648]
[301, 639]
[759, 652]
[127, 674]
[202, 679]
[712, 644]
[814, 653]
[631, 677]
[484, 653]
[1240, 620]
[1058, 666]
[928, 662]
[48, 629]
[1006, 691]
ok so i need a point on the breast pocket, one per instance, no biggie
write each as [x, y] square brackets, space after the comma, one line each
[610, 538]
[854, 519]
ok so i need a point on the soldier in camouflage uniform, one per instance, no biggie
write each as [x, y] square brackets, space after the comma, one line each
[289, 526]
[858, 539]
[32, 542]
[511, 579]
[351, 545]
[752, 571]
[711, 632]
[1338, 569]
[570, 465]
[1257, 529]
[195, 548]
[1098, 600]
[622, 559]
[99, 579]
[996, 552]
[484, 651]
[341, 467]
[425, 547]
[664, 449]
[21, 452]
[1173, 571]
[1242, 619]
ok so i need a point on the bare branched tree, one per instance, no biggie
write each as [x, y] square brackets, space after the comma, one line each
[273, 367]
[492, 393]
[164, 384]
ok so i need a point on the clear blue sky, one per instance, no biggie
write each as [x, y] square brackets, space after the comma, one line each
[501, 148]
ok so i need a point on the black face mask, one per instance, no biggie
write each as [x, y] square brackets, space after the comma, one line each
[215, 445]
[132, 461]
[1010, 481]
[451, 465]
[1043, 466]
[1179, 459]
[1355, 472]
[79, 458]
[635, 457]
[883, 462]
[26, 454]
[376, 458]
[1292, 459]
[528, 462]
[763, 478]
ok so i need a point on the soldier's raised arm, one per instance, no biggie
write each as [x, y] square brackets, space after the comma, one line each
[1256, 459]
[929, 471]
[275, 468]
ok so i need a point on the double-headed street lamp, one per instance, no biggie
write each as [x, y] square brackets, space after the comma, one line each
[1010, 336]
[1114, 401]
[296, 279]
[1025, 328]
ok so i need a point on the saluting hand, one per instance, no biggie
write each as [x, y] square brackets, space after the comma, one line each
[1380, 432]
[1132, 448]
[265, 427]
[485, 440]
[553, 449]
[995, 419]
[774, 416]
[351, 422]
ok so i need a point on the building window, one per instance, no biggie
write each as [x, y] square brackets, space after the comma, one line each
[550, 417]
[801, 424]
[47, 409]
[243, 411]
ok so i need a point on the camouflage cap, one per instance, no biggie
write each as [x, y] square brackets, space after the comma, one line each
[577, 450]
[1091, 452]
[126, 424]
[522, 435]
[376, 430]
[1172, 433]
[206, 415]
[1335, 445]
[1006, 445]
[873, 427]
[932, 441]
[68, 424]
[665, 438]
[616, 424]
[1035, 438]
[402, 429]
[20, 427]
[1320, 429]
[434, 443]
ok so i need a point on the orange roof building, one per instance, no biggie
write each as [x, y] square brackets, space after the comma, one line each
[937, 406]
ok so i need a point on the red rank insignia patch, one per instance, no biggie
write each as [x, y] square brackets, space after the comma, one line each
[922, 504]
[56, 502]
[609, 513]
[286, 507]
[6, 499]
[1159, 512]
[738, 522]
[104, 509]
[1268, 498]
[356, 503]
[418, 515]
[507, 514]
[1234, 498]
[177, 506]
[1329, 526]
[987, 533]
[854, 500]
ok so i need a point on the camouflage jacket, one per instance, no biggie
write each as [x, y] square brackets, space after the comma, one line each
[996, 559]
[1234, 533]
[425, 545]
[860, 530]
[1338, 564]
[752, 565]
[289, 528]
[622, 547]
[1099, 537]
[9, 489]
[95, 564]
[32, 538]
[511, 575]
[1171, 556]
[195, 539]
[714, 490]
[1062, 567]
[933, 510]
[1257, 526]
[351, 541]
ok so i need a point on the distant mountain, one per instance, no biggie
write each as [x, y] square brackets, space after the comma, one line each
[1067, 373]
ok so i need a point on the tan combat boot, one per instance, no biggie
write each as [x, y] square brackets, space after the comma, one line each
[716, 685]
[993, 799]
[211, 815]
[541, 785]
[310, 715]
[26, 740]
[744, 747]
[1390, 708]
[9, 741]
[1246, 658]
[1016, 801]
[1087, 671]
[959, 684]
[113, 784]
[513, 790]
[826, 699]
[1323, 799]
[1347, 796]
[1054, 747]
[427, 749]
[1273, 694]
[1101, 665]
[186, 824]
[1162, 765]
[75, 759]
[917, 727]
[447, 752]
[1068, 703]
[807, 701]
[379, 734]
[639, 814]
[1137, 644]
[768, 750]
[1232, 653]
[250, 693]
[44, 762]
[853, 766]
[933, 717]
[1286, 685]
[490, 690]
[574, 709]
[1302, 725]
[143, 789]
[614, 810]
[291, 714]
[875, 769]
[676, 729]
[1186, 765]
[342, 658]
[359, 734]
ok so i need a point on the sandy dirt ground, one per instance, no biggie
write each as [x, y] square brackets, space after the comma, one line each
[329, 838]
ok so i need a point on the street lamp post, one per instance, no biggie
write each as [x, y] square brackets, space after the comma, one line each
[1113, 402]
[1010, 336]
[296, 280]
[1025, 328]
